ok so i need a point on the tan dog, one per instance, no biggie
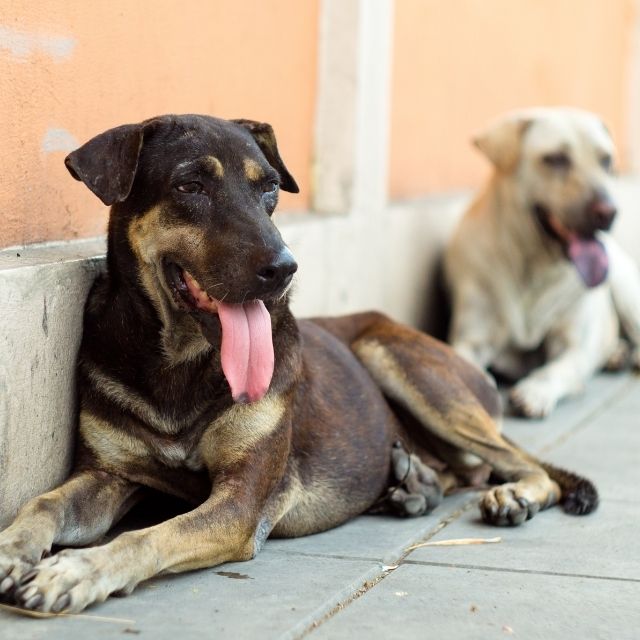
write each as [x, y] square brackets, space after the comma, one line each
[196, 380]
[531, 267]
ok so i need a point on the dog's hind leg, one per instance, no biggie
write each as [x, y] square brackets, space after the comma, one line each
[76, 513]
[415, 488]
[452, 401]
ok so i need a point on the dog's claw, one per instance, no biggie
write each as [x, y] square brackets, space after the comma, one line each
[61, 603]
[6, 585]
[490, 512]
[34, 601]
[24, 593]
[502, 506]
[28, 577]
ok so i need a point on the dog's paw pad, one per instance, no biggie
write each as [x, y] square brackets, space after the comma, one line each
[416, 489]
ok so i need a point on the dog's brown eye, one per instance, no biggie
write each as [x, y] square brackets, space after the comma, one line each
[190, 187]
[270, 187]
[557, 160]
[606, 162]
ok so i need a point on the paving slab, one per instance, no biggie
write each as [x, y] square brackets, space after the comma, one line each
[607, 450]
[284, 591]
[602, 544]
[468, 604]
[262, 598]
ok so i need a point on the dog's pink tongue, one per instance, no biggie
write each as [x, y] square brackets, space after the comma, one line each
[590, 258]
[247, 349]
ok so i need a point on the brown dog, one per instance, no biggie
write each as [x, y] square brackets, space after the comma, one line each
[196, 380]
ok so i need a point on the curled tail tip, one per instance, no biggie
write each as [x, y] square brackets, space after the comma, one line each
[581, 499]
[579, 495]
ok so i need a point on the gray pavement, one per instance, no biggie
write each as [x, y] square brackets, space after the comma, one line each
[557, 576]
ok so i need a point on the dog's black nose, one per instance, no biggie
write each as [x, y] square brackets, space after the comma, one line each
[603, 211]
[278, 271]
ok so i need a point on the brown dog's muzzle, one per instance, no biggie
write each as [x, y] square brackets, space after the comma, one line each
[275, 274]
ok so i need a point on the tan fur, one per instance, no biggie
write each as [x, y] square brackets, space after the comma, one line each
[113, 448]
[150, 239]
[239, 429]
[252, 170]
[216, 166]
[302, 506]
[512, 287]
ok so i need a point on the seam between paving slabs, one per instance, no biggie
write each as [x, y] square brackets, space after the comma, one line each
[595, 412]
[369, 580]
[557, 574]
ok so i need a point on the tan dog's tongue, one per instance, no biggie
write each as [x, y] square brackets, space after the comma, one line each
[590, 258]
[247, 349]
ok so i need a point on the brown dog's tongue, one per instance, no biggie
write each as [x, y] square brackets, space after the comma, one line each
[590, 258]
[247, 349]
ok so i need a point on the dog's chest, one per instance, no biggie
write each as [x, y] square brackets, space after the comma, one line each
[536, 303]
[180, 455]
[129, 446]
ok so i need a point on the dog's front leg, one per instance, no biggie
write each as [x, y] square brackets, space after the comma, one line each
[226, 527]
[477, 333]
[78, 512]
[576, 348]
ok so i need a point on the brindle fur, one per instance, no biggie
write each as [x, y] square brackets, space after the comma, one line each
[156, 410]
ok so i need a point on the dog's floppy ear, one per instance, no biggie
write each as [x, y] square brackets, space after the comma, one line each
[265, 138]
[500, 141]
[107, 163]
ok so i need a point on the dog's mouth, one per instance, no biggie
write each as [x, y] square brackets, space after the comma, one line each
[585, 251]
[246, 345]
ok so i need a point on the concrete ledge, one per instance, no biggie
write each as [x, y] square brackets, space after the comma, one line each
[42, 294]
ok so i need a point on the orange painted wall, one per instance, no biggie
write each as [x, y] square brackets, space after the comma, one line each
[70, 69]
[459, 63]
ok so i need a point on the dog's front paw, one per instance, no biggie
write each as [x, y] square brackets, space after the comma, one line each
[18, 555]
[533, 398]
[507, 505]
[69, 581]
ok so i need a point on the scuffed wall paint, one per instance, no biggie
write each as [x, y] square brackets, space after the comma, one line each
[21, 45]
[58, 140]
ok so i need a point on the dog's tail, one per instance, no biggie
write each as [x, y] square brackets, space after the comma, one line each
[579, 495]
